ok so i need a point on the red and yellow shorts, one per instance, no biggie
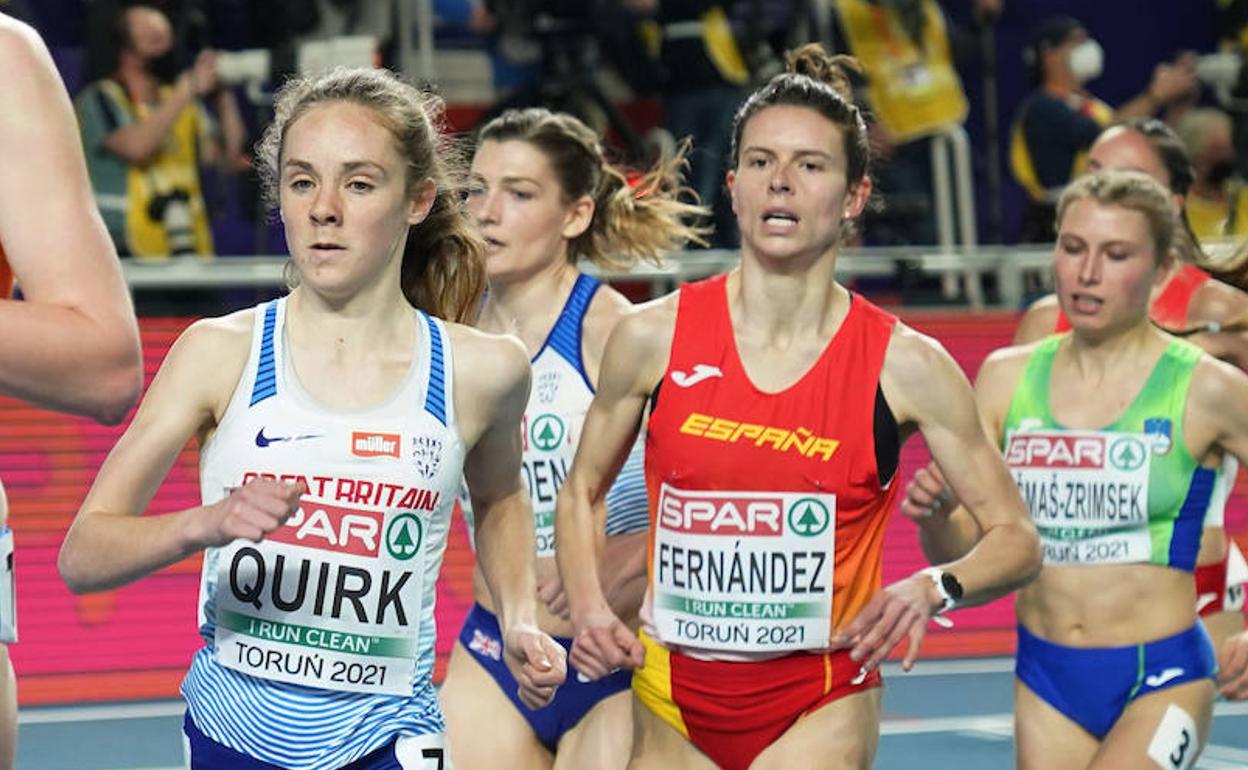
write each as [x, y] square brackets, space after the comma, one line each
[732, 711]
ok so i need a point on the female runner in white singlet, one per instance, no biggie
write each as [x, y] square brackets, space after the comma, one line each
[545, 198]
[334, 426]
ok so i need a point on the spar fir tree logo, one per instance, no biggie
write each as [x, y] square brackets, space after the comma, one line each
[547, 432]
[403, 536]
[1127, 453]
[809, 517]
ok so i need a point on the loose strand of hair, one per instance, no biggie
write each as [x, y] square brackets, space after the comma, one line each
[645, 220]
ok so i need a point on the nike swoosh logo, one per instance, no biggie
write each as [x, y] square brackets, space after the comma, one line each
[1157, 680]
[1204, 600]
[700, 372]
[263, 440]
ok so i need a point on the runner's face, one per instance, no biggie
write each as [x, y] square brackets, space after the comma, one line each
[1104, 265]
[521, 209]
[789, 190]
[344, 199]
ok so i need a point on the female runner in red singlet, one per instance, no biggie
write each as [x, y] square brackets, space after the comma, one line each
[778, 402]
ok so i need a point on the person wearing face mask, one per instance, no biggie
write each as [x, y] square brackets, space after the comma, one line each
[145, 140]
[1058, 122]
[1216, 203]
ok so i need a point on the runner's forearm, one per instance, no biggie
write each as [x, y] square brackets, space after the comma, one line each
[506, 555]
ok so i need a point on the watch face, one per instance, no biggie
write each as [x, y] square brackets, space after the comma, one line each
[951, 585]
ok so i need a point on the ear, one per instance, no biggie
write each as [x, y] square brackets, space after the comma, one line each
[730, 180]
[422, 202]
[578, 217]
[856, 198]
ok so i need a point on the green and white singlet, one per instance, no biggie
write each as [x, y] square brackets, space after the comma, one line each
[1129, 492]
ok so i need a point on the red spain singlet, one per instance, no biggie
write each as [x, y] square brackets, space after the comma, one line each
[751, 491]
[1169, 310]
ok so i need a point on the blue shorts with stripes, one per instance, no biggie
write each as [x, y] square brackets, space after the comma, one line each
[1092, 686]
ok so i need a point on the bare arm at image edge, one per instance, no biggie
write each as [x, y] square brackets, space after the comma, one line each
[72, 344]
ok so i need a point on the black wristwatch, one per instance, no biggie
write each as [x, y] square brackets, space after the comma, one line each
[947, 585]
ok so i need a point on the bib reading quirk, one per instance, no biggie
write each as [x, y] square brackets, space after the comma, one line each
[331, 616]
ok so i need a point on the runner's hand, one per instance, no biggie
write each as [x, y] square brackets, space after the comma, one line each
[1233, 667]
[900, 610]
[604, 644]
[252, 511]
[537, 662]
[928, 495]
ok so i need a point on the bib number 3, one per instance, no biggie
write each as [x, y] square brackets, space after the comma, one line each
[1176, 742]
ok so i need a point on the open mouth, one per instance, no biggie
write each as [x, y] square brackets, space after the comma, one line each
[323, 246]
[1086, 303]
[780, 218]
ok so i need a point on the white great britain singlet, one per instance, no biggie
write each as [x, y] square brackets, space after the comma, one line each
[319, 641]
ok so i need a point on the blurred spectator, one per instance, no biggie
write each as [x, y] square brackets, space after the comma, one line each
[1231, 22]
[145, 139]
[1216, 203]
[913, 91]
[505, 28]
[1061, 119]
[334, 18]
[515, 53]
[470, 15]
[703, 73]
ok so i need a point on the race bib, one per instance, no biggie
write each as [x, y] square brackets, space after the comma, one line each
[330, 600]
[8, 589]
[549, 446]
[744, 571]
[1087, 492]
[422, 752]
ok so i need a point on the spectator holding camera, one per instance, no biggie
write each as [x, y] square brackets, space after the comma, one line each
[145, 141]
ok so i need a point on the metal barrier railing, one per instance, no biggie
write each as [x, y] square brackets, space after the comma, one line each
[1008, 263]
[953, 139]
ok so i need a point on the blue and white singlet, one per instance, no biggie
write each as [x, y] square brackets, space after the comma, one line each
[558, 402]
[319, 641]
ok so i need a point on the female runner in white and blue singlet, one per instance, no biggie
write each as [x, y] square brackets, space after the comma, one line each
[334, 426]
[545, 198]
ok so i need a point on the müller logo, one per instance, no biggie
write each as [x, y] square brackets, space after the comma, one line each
[375, 444]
